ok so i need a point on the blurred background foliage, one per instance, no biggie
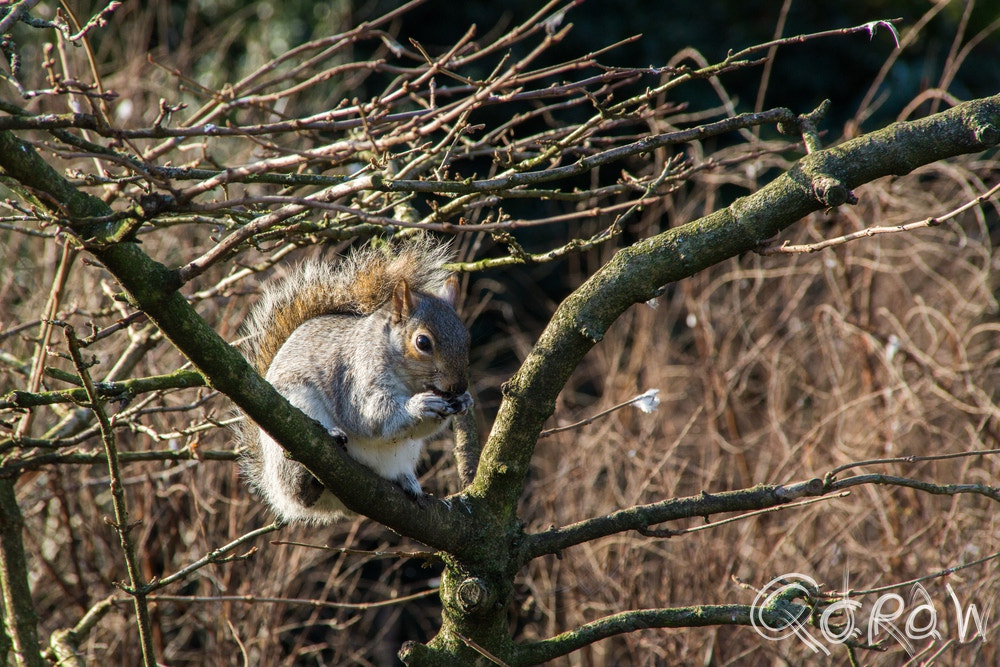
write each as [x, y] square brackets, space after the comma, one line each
[215, 42]
[244, 34]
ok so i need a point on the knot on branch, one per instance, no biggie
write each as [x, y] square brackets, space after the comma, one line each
[987, 134]
[473, 596]
[412, 651]
[787, 494]
[831, 192]
[807, 125]
[155, 203]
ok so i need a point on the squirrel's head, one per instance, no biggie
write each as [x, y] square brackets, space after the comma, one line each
[435, 344]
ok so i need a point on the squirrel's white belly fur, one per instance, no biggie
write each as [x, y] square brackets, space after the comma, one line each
[394, 459]
[396, 462]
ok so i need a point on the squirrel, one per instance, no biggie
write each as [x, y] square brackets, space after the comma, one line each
[372, 348]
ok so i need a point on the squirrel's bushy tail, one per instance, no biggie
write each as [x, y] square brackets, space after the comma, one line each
[357, 284]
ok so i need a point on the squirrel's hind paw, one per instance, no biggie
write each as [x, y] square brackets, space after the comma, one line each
[411, 486]
[339, 436]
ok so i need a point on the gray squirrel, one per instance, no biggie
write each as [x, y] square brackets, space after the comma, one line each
[372, 348]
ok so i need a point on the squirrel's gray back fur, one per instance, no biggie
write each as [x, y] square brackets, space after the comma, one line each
[357, 284]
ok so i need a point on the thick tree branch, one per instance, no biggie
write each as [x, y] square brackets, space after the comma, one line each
[20, 619]
[637, 273]
[152, 287]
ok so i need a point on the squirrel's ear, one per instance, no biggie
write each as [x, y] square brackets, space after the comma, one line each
[450, 290]
[403, 301]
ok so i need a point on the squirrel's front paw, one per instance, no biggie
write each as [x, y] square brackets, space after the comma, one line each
[430, 405]
[459, 404]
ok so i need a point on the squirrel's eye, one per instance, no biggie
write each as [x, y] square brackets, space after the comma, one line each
[423, 343]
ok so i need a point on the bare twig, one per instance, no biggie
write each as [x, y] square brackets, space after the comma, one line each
[916, 580]
[769, 249]
[648, 397]
[136, 587]
[431, 556]
[304, 602]
[69, 252]
[215, 556]
[909, 459]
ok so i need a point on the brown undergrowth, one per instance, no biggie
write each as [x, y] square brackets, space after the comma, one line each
[772, 368]
[777, 369]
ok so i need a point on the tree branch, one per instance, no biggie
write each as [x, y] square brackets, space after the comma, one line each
[643, 619]
[136, 587]
[20, 620]
[152, 288]
[637, 273]
[760, 497]
[125, 389]
[641, 517]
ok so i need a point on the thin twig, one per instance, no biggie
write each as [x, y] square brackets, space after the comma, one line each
[767, 249]
[305, 602]
[136, 586]
[651, 532]
[69, 252]
[590, 420]
[215, 556]
[17, 13]
[910, 459]
[916, 580]
[423, 555]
